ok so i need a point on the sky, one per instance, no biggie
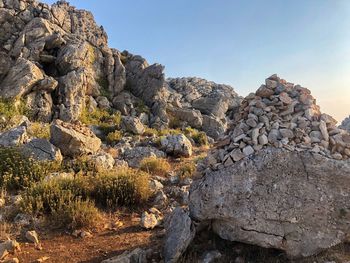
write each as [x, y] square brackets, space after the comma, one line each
[239, 43]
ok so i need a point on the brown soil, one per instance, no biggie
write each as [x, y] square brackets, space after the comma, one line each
[63, 247]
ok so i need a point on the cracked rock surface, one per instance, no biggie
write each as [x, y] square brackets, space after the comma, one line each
[294, 201]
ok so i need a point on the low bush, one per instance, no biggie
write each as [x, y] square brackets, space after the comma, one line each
[156, 166]
[9, 109]
[18, 171]
[114, 137]
[39, 130]
[187, 170]
[103, 118]
[199, 137]
[122, 187]
[71, 201]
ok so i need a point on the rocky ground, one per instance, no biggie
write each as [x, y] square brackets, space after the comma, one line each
[103, 159]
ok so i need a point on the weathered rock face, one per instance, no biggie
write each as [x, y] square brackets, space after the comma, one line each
[345, 124]
[202, 104]
[293, 201]
[132, 125]
[73, 140]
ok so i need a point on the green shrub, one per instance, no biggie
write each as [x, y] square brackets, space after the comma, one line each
[114, 137]
[150, 132]
[199, 137]
[9, 109]
[65, 201]
[18, 172]
[39, 130]
[187, 170]
[121, 187]
[156, 166]
[108, 119]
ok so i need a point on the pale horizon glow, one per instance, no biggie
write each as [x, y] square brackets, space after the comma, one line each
[239, 43]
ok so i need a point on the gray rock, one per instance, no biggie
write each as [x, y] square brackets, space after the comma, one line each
[177, 145]
[42, 150]
[134, 156]
[179, 234]
[133, 125]
[13, 137]
[213, 127]
[102, 160]
[210, 256]
[345, 124]
[280, 200]
[73, 140]
[136, 256]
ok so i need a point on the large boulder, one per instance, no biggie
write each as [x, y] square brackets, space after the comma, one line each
[177, 145]
[294, 201]
[180, 232]
[73, 139]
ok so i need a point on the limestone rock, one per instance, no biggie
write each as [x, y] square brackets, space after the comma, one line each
[134, 156]
[177, 145]
[280, 200]
[345, 124]
[133, 125]
[73, 140]
[33, 237]
[136, 256]
[42, 150]
[179, 234]
[20, 79]
[13, 137]
[102, 160]
[9, 246]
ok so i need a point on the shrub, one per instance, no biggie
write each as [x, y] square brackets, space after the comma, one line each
[39, 130]
[199, 137]
[150, 132]
[156, 166]
[114, 137]
[18, 172]
[187, 170]
[121, 187]
[70, 201]
[65, 201]
[9, 109]
[100, 117]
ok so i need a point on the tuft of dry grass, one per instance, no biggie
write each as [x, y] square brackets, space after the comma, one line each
[155, 166]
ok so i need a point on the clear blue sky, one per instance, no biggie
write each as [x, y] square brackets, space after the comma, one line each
[239, 42]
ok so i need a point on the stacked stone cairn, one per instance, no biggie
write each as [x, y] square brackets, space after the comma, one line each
[280, 114]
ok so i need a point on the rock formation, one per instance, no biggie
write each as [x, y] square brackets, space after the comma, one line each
[280, 178]
[282, 115]
[56, 58]
[289, 200]
[345, 124]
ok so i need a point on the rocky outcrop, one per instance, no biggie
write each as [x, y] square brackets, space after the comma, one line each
[293, 201]
[176, 145]
[345, 124]
[201, 104]
[73, 139]
[136, 256]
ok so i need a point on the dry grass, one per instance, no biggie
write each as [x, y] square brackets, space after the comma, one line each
[155, 166]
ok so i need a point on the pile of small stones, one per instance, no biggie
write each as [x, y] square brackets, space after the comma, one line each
[280, 114]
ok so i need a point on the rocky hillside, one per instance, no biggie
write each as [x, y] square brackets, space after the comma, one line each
[57, 59]
[103, 159]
